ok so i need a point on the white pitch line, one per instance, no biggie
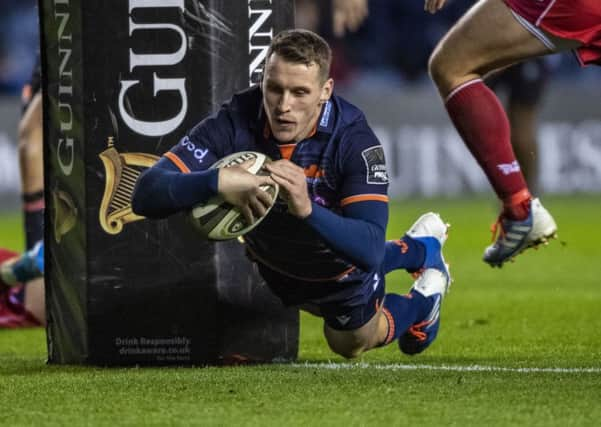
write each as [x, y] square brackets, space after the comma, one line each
[452, 368]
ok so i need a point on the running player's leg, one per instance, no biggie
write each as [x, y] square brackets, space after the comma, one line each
[524, 86]
[486, 38]
[32, 169]
[527, 84]
[28, 298]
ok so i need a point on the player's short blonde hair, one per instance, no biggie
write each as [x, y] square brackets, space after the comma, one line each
[303, 47]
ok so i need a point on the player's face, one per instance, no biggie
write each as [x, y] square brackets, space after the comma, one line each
[293, 95]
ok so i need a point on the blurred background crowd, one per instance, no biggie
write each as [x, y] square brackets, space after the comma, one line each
[391, 46]
[393, 43]
[18, 43]
[380, 64]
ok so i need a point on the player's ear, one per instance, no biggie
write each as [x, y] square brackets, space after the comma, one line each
[326, 91]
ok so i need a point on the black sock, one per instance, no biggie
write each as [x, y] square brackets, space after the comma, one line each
[33, 210]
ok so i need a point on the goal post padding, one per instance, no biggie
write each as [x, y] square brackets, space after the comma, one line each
[123, 80]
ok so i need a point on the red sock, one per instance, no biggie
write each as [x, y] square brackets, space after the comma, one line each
[482, 123]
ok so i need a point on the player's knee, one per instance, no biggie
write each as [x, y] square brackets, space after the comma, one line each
[436, 67]
[446, 71]
[29, 148]
[345, 343]
[345, 350]
[30, 138]
[24, 134]
[23, 147]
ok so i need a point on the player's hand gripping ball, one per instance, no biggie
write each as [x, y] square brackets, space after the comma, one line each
[219, 220]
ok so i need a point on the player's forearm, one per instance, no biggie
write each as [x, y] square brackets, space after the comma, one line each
[162, 192]
[362, 241]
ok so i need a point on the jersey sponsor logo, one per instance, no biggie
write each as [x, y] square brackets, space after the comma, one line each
[198, 153]
[375, 165]
[325, 117]
[509, 168]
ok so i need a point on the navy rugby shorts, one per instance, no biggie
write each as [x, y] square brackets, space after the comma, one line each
[346, 304]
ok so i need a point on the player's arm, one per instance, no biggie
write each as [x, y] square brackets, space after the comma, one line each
[359, 233]
[164, 189]
[182, 178]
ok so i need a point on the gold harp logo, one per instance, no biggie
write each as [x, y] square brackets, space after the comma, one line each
[121, 171]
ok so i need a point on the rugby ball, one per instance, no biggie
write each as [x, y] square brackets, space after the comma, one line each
[219, 220]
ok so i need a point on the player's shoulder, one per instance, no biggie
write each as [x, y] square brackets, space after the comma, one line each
[349, 114]
[246, 102]
[238, 112]
[352, 127]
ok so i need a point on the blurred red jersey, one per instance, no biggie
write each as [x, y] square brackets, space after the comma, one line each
[570, 19]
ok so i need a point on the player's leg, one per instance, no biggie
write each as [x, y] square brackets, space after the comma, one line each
[30, 150]
[522, 118]
[18, 310]
[527, 83]
[489, 37]
[413, 318]
[17, 269]
[32, 169]
[486, 38]
[35, 300]
[523, 85]
[420, 248]
[351, 343]
[7, 258]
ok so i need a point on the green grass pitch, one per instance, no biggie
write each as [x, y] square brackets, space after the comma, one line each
[517, 346]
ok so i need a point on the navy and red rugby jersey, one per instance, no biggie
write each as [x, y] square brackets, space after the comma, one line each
[343, 162]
